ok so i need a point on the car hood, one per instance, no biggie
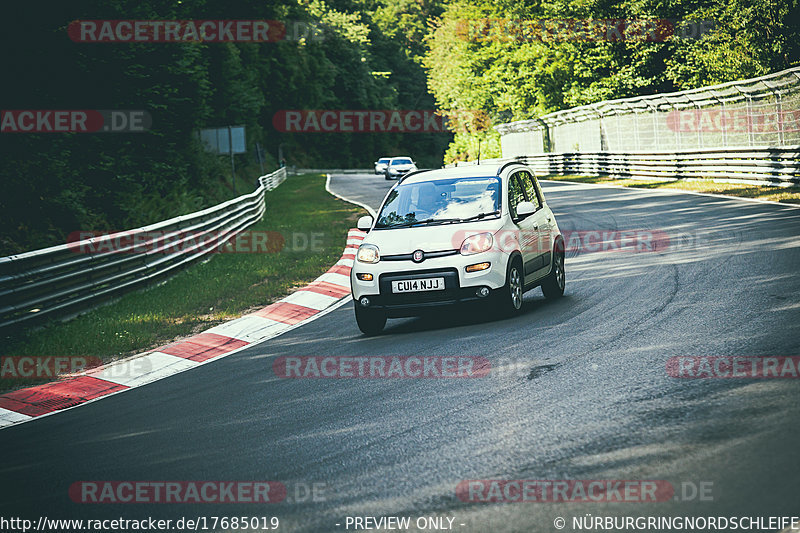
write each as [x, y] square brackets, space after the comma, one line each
[402, 167]
[428, 238]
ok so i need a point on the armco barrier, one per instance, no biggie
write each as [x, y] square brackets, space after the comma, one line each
[770, 166]
[57, 281]
[742, 131]
[332, 171]
[777, 166]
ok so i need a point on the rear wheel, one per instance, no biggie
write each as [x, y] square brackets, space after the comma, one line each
[509, 298]
[553, 285]
[370, 321]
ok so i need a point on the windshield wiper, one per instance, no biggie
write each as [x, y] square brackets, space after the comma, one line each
[436, 221]
[480, 216]
[426, 221]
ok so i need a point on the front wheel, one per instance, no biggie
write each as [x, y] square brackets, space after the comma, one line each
[509, 298]
[370, 321]
[553, 285]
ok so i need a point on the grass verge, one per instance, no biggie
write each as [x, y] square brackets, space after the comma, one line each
[314, 227]
[789, 195]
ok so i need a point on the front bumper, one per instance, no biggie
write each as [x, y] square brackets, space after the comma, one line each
[397, 173]
[460, 285]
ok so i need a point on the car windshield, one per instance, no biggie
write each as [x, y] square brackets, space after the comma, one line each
[401, 162]
[440, 202]
[384, 161]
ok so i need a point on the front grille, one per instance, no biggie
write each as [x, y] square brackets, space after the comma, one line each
[428, 255]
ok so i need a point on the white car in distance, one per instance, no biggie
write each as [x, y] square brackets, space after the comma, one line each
[447, 236]
[398, 167]
[381, 164]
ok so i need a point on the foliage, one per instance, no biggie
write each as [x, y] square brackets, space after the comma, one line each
[368, 54]
[56, 183]
[479, 58]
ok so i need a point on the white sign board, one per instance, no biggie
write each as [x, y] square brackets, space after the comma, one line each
[218, 140]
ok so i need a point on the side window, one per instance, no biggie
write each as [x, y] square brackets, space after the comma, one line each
[516, 194]
[538, 189]
[530, 189]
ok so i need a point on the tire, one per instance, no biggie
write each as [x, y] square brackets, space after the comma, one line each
[508, 300]
[369, 321]
[556, 280]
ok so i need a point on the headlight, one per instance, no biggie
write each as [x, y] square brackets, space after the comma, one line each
[368, 253]
[393, 171]
[476, 244]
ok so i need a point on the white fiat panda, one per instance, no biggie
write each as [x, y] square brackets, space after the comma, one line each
[455, 235]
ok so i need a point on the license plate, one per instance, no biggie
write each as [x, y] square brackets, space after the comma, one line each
[418, 285]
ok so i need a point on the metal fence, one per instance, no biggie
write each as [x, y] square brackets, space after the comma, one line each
[64, 279]
[759, 112]
[332, 171]
[767, 166]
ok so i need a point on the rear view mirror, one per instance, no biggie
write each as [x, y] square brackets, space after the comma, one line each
[525, 208]
[364, 223]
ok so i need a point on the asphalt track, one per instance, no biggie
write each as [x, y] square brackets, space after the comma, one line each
[578, 390]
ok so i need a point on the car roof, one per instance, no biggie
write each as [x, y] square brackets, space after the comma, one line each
[465, 171]
[402, 157]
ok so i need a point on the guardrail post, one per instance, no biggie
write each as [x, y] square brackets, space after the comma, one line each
[776, 92]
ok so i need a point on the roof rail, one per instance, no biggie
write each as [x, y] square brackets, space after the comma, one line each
[507, 164]
[404, 176]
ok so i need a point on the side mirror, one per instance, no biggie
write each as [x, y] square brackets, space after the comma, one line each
[525, 209]
[364, 223]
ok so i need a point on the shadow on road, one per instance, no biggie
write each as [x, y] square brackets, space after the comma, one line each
[471, 314]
